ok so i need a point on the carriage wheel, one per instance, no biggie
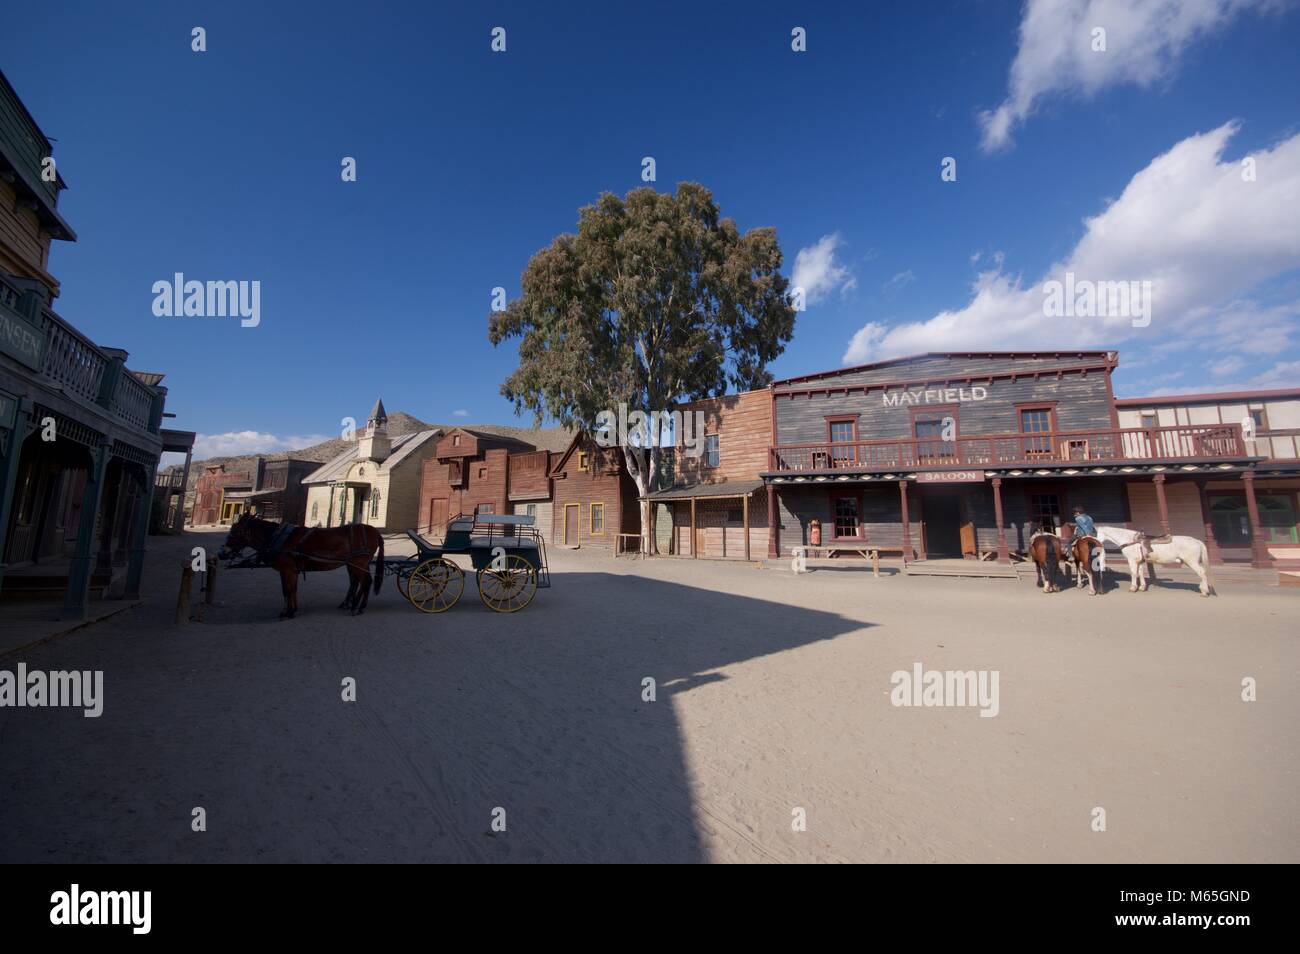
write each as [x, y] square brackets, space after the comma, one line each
[509, 589]
[401, 583]
[435, 585]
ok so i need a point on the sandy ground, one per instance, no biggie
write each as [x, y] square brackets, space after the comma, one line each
[773, 694]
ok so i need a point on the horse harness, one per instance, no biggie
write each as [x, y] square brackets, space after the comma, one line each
[276, 548]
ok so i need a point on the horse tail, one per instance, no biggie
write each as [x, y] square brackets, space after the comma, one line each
[379, 564]
[1205, 564]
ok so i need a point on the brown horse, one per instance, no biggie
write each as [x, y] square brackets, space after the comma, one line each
[1081, 551]
[1046, 551]
[292, 550]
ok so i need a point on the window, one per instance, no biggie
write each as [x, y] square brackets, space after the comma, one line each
[1045, 512]
[931, 445]
[455, 440]
[530, 510]
[1257, 415]
[374, 503]
[486, 508]
[597, 519]
[1149, 419]
[343, 507]
[712, 452]
[846, 517]
[842, 431]
[1037, 420]
[584, 461]
[315, 509]
[1231, 519]
[482, 473]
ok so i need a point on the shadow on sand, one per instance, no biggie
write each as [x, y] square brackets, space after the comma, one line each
[539, 713]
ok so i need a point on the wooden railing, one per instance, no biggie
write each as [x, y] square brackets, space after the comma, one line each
[72, 360]
[1184, 442]
[1276, 445]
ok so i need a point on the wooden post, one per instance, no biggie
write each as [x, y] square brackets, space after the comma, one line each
[1159, 481]
[744, 512]
[695, 545]
[1004, 555]
[773, 523]
[183, 599]
[1211, 543]
[907, 530]
[875, 563]
[1258, 551]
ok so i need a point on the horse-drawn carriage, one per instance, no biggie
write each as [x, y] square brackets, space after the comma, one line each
[507, 552]
[508, 555]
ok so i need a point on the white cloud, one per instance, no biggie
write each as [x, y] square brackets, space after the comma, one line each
[1282, 374]
[1144, 42]
[1226, 366]
[238, 443]
[460, 413]
[1188, 224]
[899, 282]
[817, 272]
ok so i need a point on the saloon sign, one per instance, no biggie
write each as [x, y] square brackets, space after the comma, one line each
[920, 396]
[950, 477]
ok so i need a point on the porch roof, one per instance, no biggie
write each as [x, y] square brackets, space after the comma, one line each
[729, 488]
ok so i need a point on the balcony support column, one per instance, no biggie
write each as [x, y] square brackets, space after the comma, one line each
[1004, 555]
[1211, 544]
[1259, 557]
[1163, 504]
[77, 598]
[907, 528]
[773, 523]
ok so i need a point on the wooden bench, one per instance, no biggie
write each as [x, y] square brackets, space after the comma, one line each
[868, 551]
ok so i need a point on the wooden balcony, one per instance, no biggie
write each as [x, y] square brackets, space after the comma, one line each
[77, 367]
[1276, 445]
[1196, 442]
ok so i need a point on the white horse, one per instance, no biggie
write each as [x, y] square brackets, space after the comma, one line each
[1139, 551]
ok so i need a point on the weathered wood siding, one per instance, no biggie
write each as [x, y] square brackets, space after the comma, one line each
[1082, 399]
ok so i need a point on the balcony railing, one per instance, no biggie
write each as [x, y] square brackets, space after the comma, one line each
[79, 367]
[1276, 445]
[1182, 443]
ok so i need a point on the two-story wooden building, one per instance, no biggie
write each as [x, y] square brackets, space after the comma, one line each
[714, 505]
[1217, 506]
[965, 454]
[80, 432]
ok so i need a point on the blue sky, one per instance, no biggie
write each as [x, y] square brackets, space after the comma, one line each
[1120, 164]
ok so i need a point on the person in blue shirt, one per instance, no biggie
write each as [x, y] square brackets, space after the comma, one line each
[1083, 525]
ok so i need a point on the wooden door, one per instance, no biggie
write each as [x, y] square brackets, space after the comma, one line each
[571, 516]
[968, 542]
[438, 516]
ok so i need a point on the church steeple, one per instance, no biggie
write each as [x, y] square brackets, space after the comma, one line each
[375, 445]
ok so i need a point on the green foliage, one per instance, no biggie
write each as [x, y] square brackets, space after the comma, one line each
[656, 299]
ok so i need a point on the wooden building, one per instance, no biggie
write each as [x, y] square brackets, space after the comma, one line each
[210, 508]
[1217, 507]
[80, 432]
[714, 505]
[594, 497]
[469, 472]
[964, 454]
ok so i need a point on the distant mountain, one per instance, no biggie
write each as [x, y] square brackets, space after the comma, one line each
[399, 424]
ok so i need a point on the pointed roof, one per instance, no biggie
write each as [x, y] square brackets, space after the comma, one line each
[377, 413]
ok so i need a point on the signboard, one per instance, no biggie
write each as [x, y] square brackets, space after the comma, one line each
[8, 411]
[913, 397]
[950, 477]
[21, 340]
